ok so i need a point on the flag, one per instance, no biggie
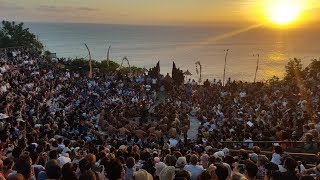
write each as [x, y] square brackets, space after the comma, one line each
[108, 60]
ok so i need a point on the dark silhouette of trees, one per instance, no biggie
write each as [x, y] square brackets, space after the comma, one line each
[155, 71]
[177, 75]
[293, 70]
[15, 35]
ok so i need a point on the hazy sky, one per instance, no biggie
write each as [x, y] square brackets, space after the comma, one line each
[140, 11]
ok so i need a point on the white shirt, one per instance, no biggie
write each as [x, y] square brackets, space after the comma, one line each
[276, 158]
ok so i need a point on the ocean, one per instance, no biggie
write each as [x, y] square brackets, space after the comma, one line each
[144, 46]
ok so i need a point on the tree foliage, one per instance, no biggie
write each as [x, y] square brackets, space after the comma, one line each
[81, 64]
[274, 81]
[177, 75]
[155, 71]
[15, 35]
[293, 70]
[313, 68]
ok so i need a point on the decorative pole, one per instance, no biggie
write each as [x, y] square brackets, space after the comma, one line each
[121, 65]
[90, 64]
[200, 66]
[225, 64]
[255, 75]
[108, 60]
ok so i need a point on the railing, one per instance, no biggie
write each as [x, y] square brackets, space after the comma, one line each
[294, 142]
[309, 158]
[294, 148]
[288, 144]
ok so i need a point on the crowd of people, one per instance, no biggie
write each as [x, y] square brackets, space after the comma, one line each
[58, 124]
[257, 112]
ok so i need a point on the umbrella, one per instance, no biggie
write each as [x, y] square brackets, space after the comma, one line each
[187, 73]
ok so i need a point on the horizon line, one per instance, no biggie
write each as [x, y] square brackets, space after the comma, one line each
[181, 24]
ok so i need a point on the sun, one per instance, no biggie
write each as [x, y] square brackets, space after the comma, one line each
[284, 12]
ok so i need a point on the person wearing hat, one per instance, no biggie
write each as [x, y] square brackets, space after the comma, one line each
[181, 163]
[219, 154]
[159, 167]
[142, 175]
[167, 173]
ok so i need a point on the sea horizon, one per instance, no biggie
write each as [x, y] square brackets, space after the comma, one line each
[145, 45]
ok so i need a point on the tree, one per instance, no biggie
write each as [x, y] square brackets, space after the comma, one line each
[293, 70]
[274, 81]
[47, 54]
[15, 35]
[82, 65]
[155, 71]
[177, 75]
[313, 69]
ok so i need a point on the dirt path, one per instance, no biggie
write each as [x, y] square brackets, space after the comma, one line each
[194, 122]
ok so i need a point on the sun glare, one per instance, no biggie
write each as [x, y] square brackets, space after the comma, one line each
[284, 12]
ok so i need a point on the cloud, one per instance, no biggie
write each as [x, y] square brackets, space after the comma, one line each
[50, 8]
[124, 14]
[10, 6]
[64, 8]
[87, 9]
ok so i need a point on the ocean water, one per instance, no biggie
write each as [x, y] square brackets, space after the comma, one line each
[146, 45]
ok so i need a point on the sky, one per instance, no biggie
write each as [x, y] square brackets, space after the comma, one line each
[143, 11]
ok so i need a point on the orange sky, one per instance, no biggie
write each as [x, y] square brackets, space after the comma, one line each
[143, 11]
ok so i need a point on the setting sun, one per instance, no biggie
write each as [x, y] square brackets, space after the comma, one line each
[284, 12]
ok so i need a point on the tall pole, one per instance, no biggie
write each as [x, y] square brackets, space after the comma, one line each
[108, 53]
[225, 64]
[200, 66]
[255, 75]
[200, 72]
[90, 64]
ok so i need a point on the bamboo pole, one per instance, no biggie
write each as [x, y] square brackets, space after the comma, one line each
[225, 64]
[255, 75]
[90, 63]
